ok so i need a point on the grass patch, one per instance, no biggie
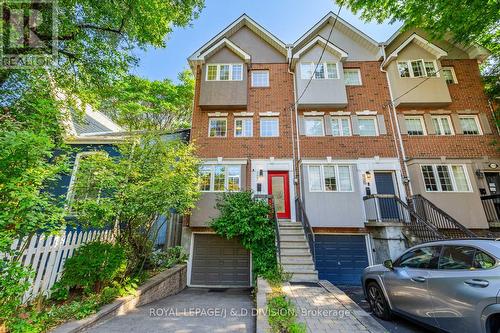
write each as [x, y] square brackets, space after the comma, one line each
[282, 313]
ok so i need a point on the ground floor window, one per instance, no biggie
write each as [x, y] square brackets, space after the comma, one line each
[220, 178]
[330, 178]
[445, 178]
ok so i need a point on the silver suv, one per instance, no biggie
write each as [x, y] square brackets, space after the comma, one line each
[451, 285]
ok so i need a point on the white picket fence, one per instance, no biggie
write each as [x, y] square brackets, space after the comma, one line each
[47, 254]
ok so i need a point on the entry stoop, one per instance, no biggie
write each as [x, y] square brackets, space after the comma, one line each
[296, 257]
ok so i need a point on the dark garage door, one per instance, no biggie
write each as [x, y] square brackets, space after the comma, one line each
[341, 259]
[219, 262]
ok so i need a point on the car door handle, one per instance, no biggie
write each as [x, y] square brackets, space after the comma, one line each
[477, 283]
[418, 279]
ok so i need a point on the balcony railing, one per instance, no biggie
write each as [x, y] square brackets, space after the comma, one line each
[274, 218]
[491, 205]
[302, 217]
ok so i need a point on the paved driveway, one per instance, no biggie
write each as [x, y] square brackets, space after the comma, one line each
[195, 310]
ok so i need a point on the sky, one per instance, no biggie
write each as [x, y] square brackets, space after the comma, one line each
[286, 19]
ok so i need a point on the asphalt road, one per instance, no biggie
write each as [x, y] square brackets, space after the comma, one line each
[396, 325]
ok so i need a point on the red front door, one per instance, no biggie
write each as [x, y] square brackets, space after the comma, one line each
[277, 183]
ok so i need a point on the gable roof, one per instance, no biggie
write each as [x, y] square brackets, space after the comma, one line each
[322, 42]
[420, 41]
[243, 20]
[224, 43]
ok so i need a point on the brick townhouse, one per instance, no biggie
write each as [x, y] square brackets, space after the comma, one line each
[360, 150]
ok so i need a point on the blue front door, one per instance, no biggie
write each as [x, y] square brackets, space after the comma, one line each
[384, 181]
[341, 259]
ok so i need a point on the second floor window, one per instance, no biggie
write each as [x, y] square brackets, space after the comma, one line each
[341, 126]
[415, 125]
[260, 78]
[449, 75]
[217, 127]
[314, 126]
[442, 125]
[224, 72]
[323, 71]
[367, 126]
[243, 127]
[352, 76]
[269, 127]
[330, 178]
[417, 68]
[445, 178]
[470, 125]
[220, 178]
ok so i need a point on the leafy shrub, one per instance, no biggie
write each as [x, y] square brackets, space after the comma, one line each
[14, 282]
[283, 315]
[169, 258]
[93, 266]
[248, 220]
[277, 276]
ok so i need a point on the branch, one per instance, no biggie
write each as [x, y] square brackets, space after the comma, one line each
[95, 27]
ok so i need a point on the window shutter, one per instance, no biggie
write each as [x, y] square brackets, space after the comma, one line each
[302, 130]
[428, 124]
[485, 124]
[328, 125]
[354, 124]
[402, 124]
[456, 123]
[381, 124]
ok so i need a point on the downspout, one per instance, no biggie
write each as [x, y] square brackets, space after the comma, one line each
[394, 120]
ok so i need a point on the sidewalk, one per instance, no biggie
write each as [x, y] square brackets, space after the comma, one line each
[325, 308]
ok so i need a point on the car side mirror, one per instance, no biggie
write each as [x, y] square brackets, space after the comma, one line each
[388, 264]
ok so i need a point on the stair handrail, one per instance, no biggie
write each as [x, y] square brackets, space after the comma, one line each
[274, 218]
[304, 220]
[420, 199]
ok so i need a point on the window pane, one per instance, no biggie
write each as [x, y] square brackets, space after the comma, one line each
[319, 72]
[414, 126]
[206, 175]
[403, 69]
[346, 127]
[212, 72]
[482, 260]
[456, 257]
[233, 178]
[445, 123]
[430, 69]
[224, 72]
[351, 77]
[429, 178]
[260, 79]
[441, 125]
[237, 72]
[332, 71]
[345, 179]
[314, 178]
[460, 178]
[269, 127]
[336, 126]
[217, 127]
[444, 178]
[243, 127]
[330, 180]
[219, 178]
[448, 75]
[469, 125]
[367, 127]
[418, 68]
[425, 257]
[306, 70]
[313, 126]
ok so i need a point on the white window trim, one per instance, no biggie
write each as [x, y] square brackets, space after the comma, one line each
[441, 129]
[322, 177]
[422, 123]
[260, 127]
[216, 136]
[325, 70]
[217, 77]
[410, 68]
[226, 177]
[341, 127]
[243, 129]
[322, 126]
[476, 119]
[359, 76]
[452, 178]
[452, 70]
[260, 71]
[374, 118]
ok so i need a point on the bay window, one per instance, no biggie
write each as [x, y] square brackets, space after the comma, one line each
[417, 68]
[224, 72]
[326, 70]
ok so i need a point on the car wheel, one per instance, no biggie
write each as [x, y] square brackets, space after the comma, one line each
[377, 301]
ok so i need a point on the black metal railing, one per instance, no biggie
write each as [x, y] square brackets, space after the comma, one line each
[390, 208]
[274, 217]
[491, 205]
[302, 217]
[439, 218]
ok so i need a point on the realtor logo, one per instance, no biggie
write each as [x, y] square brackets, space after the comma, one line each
[28, 33]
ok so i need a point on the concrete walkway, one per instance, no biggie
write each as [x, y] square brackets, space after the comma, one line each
[194, 310]
[325, 308]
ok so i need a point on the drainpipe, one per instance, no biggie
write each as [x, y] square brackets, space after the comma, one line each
[398, 138]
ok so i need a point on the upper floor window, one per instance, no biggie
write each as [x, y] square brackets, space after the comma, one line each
[367, 126]
[352, 76]
[313, 126]
[417, 68]
[449, 75]
[415, 125]
[220, 178]
[323, 71]
[217, 127]
[470, 125]
[269, 127]
[243, 127]
[330, 178]
[442, 125]
[445, 178]
[83, 185]
[224, 72]
[260, 78]
[341, 126]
